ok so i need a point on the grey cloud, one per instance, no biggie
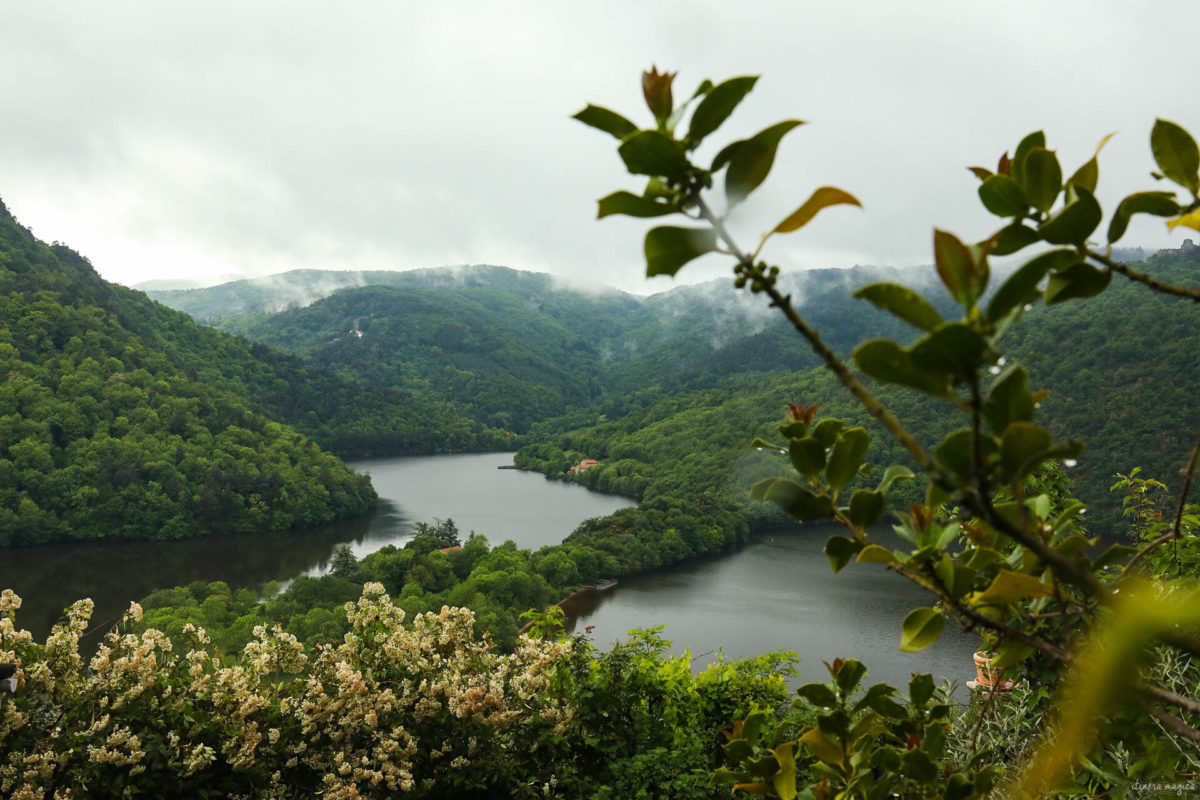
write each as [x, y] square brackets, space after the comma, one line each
[251, 137]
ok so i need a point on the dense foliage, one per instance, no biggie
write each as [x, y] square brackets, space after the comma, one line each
[108, 430]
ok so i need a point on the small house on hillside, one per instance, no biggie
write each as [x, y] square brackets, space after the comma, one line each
[587, 463]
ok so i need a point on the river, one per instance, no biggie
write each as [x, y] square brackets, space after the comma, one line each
[777, 592]
[471, 489]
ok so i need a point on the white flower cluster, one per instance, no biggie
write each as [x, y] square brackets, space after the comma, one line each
[395, 707]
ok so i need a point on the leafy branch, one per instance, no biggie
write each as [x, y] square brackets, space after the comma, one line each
[1018, 566]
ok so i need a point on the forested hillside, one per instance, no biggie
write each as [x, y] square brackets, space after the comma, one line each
[1097, 361]
[712, 366]
[504, 348]
[120, 418]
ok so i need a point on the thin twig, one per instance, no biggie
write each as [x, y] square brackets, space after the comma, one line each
[1170, 698]
[860, 392]
[979, 619]
[1131, 563]
[1063, 565]
[1174, 723]
[1141, 277]
[1187, 486]
[994, 690]
[974, 502]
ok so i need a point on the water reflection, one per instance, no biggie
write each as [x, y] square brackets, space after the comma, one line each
[499, 503]
[778, 592]
[114, 573]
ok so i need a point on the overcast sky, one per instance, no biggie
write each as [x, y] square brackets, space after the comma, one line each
[168, 139]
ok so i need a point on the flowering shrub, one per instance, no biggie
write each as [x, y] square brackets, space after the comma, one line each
[426, 708]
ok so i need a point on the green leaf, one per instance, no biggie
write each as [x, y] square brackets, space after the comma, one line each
[1035, 139]
[953, 348]
[884, 360]
[1012, 238]
[1080, 280]
[1159, 204]
[718, 103]
[751, 161]
[878, 699]
[956, 452]
[738, 750]
[822, 198]
[1009, 587]
[818, 694]
[921, 628]
[1112, 555]
[875, 554]
[795, 429]
[807, 456]
[725, 155]
[1075, 222]
[669, 248]
[1022, 447]
[752, 788]
[826, 430]
[1041, 178]
[839, 550]
[920, 688]
[793, 498]
[1086, 177]
[653, 153]
[1009, 400]
[1011, 653]
[866, 507]
[887, 758]
[1002, 196]
[763, 444]
[784, 780]
[849, 676]
[608, 121]
[846, 457]
[956, 266]
[892, 474]
[1176, 154]
[632, 205]
[903, 302]
[917, 765]
[956, 578]
[1021, 286]
[822, 746]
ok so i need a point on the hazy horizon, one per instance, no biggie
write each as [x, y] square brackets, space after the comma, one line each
[180, 140]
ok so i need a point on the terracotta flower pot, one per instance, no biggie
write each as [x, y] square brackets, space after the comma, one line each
[984, 674]
[988, 677]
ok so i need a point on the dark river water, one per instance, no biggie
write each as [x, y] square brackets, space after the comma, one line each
[470, 489]
[777, 592]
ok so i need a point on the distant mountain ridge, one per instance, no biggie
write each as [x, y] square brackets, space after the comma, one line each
[512, 350]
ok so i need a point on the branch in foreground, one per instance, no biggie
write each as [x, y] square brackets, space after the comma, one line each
[1173, 722]
[855, 387]
[1143, 278]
